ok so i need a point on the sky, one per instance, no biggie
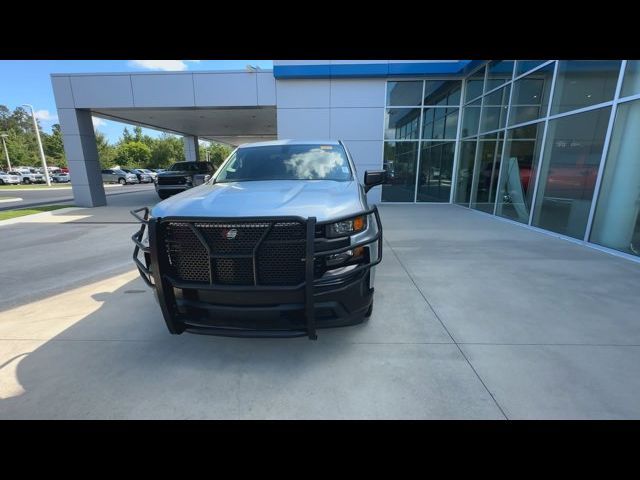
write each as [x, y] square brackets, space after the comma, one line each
[28, 81]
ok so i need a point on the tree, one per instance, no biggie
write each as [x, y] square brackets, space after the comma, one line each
[106, 152]
[53, 147]
[218, 152]
[165, 151]
[132, 155]
[126, 136]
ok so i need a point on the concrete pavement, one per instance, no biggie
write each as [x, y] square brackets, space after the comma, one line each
[474, 318]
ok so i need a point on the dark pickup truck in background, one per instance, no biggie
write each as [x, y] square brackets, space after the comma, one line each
[182, 176]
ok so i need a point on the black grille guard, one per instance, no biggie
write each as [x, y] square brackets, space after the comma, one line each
[164, 284]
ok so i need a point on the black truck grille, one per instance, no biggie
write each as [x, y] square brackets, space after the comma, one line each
[241, 253]
[171, 180]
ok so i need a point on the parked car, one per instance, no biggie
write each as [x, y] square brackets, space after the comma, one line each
[27, 177]
[153, 174]
[280, 242]
[140, 175]
[9, 179]
[61, 177]
[182, 176]
[113, 175]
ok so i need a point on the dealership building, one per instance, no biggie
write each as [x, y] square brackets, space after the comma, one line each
[550, 144]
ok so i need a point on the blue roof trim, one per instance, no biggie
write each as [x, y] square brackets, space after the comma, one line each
[432, 68]
[302, 71]
[373, 69]
[472, 65]
[362, 70]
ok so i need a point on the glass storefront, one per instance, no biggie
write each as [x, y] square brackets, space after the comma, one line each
[400, 160]
[420, 132]
[518, 174]
[531, 96]
[464, 175]
[436, 171]
[617, 220]
[487, 168]
[581, 83]
[525, 140]
[569, 171]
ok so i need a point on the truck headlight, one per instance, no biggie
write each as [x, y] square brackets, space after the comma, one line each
[346, 227]
[188, 180]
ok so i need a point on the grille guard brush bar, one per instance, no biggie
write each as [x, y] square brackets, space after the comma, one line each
[150, 270]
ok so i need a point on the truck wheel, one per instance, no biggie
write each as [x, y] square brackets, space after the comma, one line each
[122, 181]
[163, 195]
[27, 181]
[1, 182]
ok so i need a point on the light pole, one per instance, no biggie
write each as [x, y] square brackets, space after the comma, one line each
[35, 126]
[6, 152]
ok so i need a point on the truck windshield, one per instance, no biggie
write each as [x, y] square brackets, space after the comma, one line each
[202, 167]
[287, 162]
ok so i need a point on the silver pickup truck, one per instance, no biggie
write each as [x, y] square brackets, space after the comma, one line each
[28, 177]
[279, 242]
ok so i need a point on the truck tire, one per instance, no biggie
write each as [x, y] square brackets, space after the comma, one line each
[163, 195]
[1, 182]
[122, 181]
[369, 311]
[27, 181]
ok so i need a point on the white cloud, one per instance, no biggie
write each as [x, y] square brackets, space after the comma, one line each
[170, 65]
[98, 122]
[46, 116]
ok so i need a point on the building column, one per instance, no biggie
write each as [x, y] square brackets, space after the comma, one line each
[191, 148]
[81, 151]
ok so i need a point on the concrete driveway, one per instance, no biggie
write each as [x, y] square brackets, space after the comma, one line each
[474, 318]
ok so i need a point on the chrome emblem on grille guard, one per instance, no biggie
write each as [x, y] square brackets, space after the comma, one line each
[231, 234]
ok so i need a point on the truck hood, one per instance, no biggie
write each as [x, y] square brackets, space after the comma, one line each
[323, 199]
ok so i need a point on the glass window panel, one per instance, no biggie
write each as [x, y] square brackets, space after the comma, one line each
[474, 85]
[489, 151]
[401, 123]
[404, 94]
[440, 123]
[569, 170]
[581, 83]
[400, 160]
[631, 82]
[617, 221]
[465, 171]
[494, 111]
[523, 66]
[436, 167]
[442, 92]
[518, 172]
[471, 119]
[500, 71]
[427, 122]
[530, 97]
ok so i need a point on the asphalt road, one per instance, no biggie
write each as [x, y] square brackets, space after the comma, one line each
[58, 196]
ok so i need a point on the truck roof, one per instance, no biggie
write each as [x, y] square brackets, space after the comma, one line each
[290, 142]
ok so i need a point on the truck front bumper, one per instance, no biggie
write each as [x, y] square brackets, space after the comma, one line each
[336, 300]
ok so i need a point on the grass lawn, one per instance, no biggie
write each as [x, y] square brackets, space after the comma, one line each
[34, 185]
[7, 214]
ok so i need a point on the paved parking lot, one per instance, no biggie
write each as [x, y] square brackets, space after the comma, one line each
[474, 318]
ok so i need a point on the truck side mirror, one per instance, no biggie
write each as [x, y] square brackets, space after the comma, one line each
[373, 178]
